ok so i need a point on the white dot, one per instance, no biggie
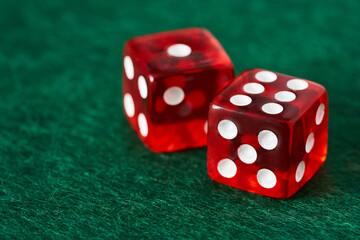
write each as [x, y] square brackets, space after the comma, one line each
[300, 171]
[174, 96]
[143, 126]
[272, 108]
[297, 84]
[227, 168]
[179, 50]
[310, 142]
[267, 139]
[142, 87]
[320, 114]
[129, 67]
[240, 100]
[266, 76]
[129, 105]
[285, 96]
[206, 126]
[266, 178]
[247, 153]
[254, 88]
[227, 129]
[151, 78]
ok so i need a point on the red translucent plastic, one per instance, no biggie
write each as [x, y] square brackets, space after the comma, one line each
[171, 78]
[273, 166]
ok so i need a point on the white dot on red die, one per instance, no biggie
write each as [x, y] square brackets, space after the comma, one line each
[227, 168]
[267, 139]
[309, 142]
[297, 84]
[179, 50]
[206, 126]
[253, 88]
[143, 126]
[266, 76]
[227, 129]
[151, 78]
[300, 171]
[272, 108]
[129, 105]
[142, 87]
[266, 178]
[320, 114]
[247, 153]
[285, 96]
[174, 96]
[129, 67]
[240, 100]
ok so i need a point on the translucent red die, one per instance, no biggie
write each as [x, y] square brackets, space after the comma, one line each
[267, 133]
[169, 80]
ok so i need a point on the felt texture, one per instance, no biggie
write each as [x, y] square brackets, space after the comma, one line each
[71, 167]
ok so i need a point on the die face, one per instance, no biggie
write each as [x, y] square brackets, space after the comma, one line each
[274, 95]
[186, 96]
[174, 101]
[256, 148]
[309, 146]
[136, 95]
[271, 139]
[175, 51]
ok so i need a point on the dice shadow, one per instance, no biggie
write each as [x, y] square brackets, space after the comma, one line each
[188, 168]
[179, 165]
[319, 185]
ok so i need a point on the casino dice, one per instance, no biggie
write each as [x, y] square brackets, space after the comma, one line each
[169, 80]
[267, 133]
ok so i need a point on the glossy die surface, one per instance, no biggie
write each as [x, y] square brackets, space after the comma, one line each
[169, 80]
[267, 133]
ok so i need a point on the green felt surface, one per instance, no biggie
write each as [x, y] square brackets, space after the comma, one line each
[71, 167]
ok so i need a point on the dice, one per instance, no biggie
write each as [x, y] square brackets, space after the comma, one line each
[169, 80]
[267, 133]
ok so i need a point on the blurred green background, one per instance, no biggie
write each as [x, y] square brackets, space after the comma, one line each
[71, 167]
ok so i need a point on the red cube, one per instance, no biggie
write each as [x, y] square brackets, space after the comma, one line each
[267, 133]
[169, 80]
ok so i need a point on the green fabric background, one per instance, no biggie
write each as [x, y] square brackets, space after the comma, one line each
[71, 167]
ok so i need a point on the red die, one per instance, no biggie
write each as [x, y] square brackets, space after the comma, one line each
[169, 80]
[267, 133]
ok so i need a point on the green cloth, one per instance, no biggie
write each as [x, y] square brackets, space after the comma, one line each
[71, 167]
